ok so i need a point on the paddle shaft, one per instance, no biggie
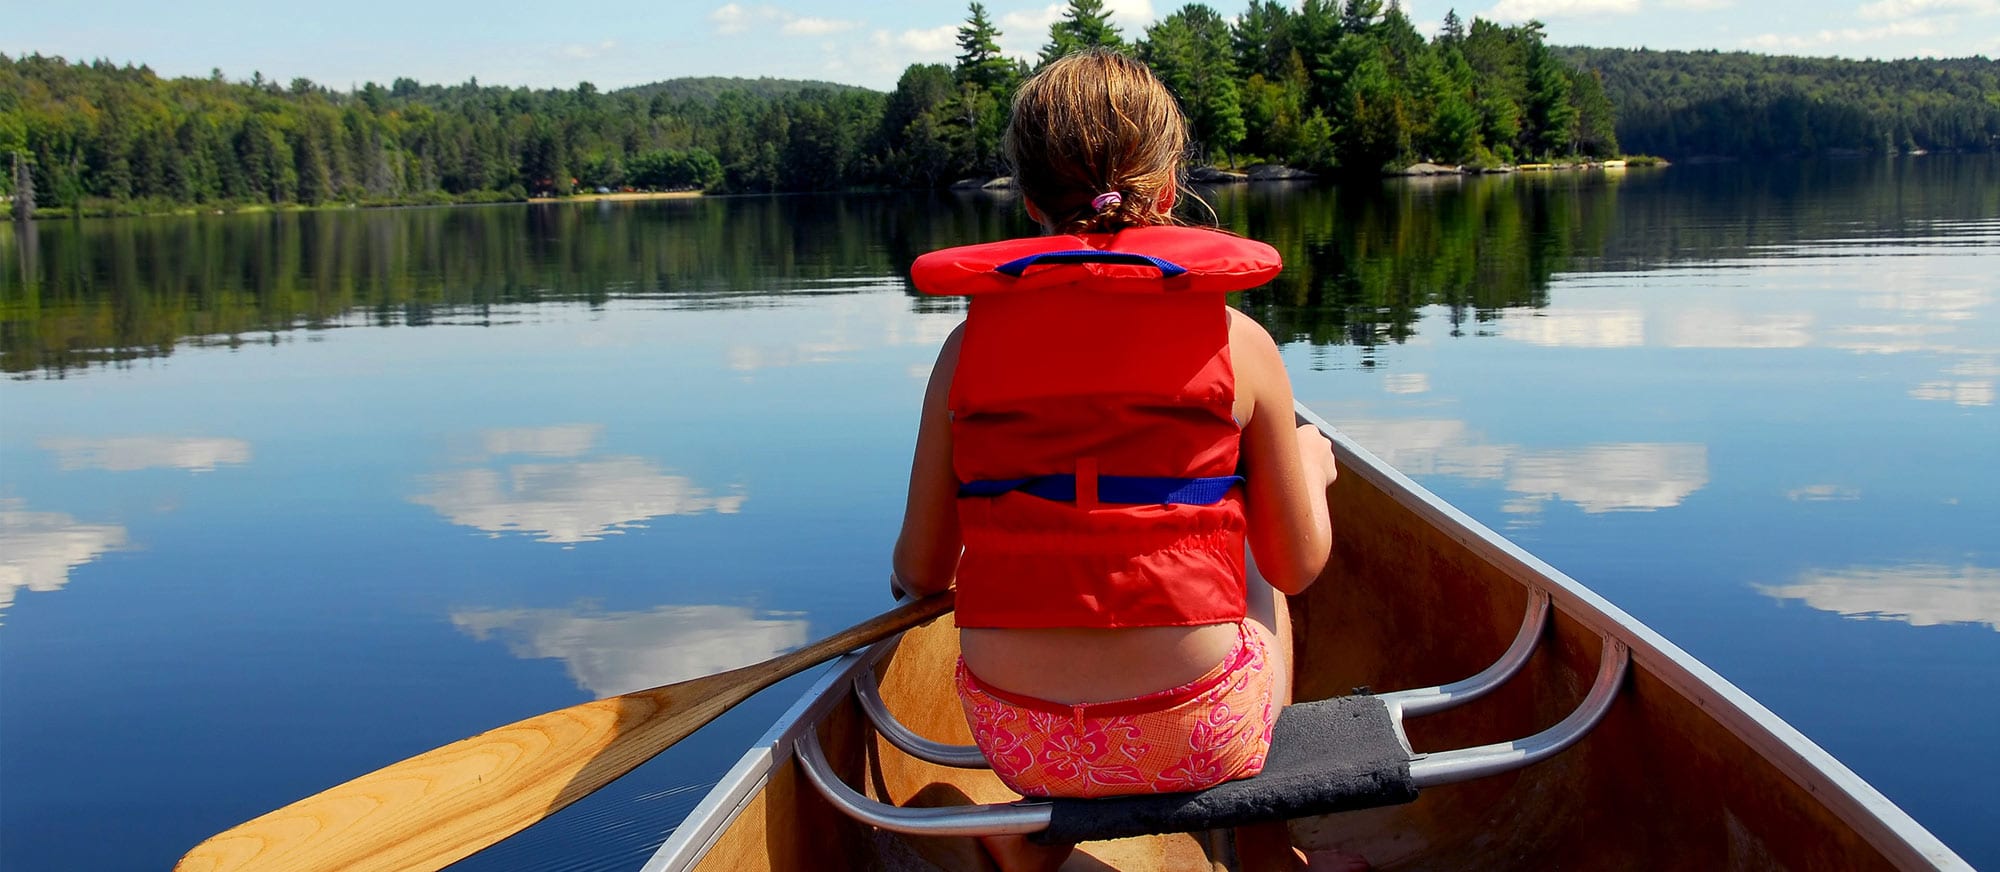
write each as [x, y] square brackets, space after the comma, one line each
[443, 805]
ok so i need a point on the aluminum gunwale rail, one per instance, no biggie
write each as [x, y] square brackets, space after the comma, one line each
[1854, 801]
[1448, 767]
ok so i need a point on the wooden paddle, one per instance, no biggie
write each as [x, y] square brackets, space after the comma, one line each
[441, 806]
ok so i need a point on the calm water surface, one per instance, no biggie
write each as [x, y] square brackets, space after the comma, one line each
[285, 498]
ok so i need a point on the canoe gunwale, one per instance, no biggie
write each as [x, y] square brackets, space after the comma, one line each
[1853, 800]
[706, 822]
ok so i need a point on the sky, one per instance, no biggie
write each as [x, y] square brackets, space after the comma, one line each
[613, 45]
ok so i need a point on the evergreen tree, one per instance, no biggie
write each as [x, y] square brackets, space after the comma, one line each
[979, 60]
[1083, 25]
[1192, 54]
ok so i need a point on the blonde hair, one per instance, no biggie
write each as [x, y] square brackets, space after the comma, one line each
[1093, 123]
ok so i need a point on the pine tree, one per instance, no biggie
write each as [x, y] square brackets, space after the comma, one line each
[1084, 25]
[979, 61]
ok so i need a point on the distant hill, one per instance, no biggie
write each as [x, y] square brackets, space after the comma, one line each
[1698, 103]
[706, 88]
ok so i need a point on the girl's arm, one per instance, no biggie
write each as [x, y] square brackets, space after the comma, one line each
[1288, 466]
[926, 557]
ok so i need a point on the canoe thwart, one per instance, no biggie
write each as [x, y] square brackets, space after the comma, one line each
[1327, 756]
[1401, 703]
[1447, 767]
[959, 820]
[868, 692]
[1426, 700]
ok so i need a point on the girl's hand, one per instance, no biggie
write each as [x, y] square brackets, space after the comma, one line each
[1316, 451]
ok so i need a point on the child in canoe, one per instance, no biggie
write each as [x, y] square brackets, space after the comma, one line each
[1099, 441]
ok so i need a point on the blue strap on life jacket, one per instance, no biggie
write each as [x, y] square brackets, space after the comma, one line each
[1168, 269]
[1128, 489]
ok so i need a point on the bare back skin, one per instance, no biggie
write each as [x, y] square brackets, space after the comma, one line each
[1288, 536]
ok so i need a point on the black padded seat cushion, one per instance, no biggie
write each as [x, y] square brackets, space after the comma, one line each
[1326, 756]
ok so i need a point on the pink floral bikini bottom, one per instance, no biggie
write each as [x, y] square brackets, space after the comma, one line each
[1214, 729]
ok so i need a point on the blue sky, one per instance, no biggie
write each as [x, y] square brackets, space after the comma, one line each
[343, 44]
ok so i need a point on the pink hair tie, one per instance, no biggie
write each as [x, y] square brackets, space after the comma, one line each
[1106, 200]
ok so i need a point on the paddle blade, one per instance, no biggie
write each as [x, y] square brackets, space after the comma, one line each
[443, 805]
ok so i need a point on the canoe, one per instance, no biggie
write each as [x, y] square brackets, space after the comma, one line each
[1664, 766]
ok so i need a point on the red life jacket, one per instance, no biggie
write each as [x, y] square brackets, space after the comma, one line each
[1093, 427]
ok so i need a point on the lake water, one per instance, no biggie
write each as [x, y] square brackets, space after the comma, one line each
[288, 497]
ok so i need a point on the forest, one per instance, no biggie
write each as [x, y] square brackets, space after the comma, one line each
[1332, 86]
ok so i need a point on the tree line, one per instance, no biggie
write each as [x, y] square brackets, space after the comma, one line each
[1688, 104]
[1330, 86]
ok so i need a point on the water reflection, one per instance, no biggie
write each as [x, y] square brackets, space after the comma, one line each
[1624, 477]
[569, 502]
[1920, 594]
[1967, 383]
[619, 652]
[131, 453]
[38, 549]
[1362, 260]
[1578, 328]
[1728, 328]
[1609, 477]
[562, 440]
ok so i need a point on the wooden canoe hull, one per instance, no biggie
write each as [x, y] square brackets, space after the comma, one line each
[1684, 772]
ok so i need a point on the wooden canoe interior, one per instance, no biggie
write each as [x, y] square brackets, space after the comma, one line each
[1660, 784]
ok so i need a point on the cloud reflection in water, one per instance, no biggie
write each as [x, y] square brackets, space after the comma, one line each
[566, 502]
[1610, 477]
[1920, 594]
[619, 652]
[38, 549]
[581, 501]
[131, 453]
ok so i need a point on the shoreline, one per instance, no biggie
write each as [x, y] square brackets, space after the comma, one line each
[618, 196]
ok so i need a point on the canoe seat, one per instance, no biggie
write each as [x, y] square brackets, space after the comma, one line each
[1327, 756]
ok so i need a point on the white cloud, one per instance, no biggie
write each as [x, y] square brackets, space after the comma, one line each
[1845, 35]
[810, 26]
[38, 549]
[735, 18]
[585, 52]
[130, 453]
[1899, 9]
[582, 501]
[1698, 5]
[1919, 594]
[1544, 10]
[730, 18]
[1023, 32]
[620, 652]
[925, 43]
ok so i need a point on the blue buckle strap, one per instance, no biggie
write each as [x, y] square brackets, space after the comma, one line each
[1168, 269]
[1128, 489]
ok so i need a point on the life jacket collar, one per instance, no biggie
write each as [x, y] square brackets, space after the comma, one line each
[1156, 259]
